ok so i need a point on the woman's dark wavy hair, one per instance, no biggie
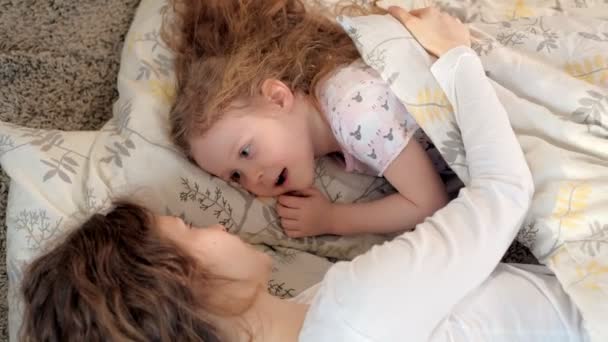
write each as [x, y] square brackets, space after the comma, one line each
[114, 279]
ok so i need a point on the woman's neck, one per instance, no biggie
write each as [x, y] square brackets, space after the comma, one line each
[271, 319]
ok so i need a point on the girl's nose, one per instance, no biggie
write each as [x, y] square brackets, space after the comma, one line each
[257, 175]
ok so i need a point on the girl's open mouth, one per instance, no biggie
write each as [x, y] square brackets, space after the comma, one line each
[282, 178]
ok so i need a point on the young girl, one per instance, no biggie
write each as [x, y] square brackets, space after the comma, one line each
[267, 86]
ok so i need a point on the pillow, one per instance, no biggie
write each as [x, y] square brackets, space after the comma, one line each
[59, 178]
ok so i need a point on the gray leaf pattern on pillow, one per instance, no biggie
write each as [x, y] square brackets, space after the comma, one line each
[122, 117]
[280, 289]
[324, 181]
[118, 151]
[60, 167]
[50, 140]
[352, 32]
[6, 143]
[65, 162]
[161, 64]
[377, 188]
[14, 270]
[119, 129]
[377, 59]
[38, 227]
[210, 200]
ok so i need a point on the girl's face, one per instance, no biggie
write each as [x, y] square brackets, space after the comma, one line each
[265, 147]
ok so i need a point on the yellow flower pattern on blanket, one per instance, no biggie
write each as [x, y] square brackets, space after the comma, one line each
[593, 70]
[520, 10]
[590, 272]
[431, 105]
[132, 40]
[163, 90]
[572, 201]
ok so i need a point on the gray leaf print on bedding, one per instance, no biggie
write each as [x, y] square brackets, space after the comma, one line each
[122, 117]
[118, 151]
[593, 36]
[61, 167]
[550, 40]
[377, 59]
[523, 29]
[527, 236]
[452, 149]
[592, 110]
[483, 46]
[352, 32]
[6, 143]
[161, 64]
[123, 145]
[392, 78]
[592, 245]
[222, 210]
[284, 256]
[48, 141]
[52, 141]
[323, 181]
[37, 226]
[280, 290]
[14, 268]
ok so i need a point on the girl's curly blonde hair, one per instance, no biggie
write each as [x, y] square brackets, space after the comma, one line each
[225, 49]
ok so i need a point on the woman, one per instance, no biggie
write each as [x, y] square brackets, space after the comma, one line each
[131, 276]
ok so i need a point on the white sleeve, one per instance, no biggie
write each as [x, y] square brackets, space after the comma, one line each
[405, 287]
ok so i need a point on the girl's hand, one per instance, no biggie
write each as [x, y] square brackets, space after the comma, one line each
[306, 215]
[436, 31]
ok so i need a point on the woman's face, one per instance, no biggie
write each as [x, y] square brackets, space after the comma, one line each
[222, 254]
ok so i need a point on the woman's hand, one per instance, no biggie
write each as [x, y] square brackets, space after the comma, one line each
[436, 31]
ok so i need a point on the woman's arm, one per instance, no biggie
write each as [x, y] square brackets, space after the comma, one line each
[412, 282]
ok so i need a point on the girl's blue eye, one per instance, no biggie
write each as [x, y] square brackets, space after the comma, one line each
[246, 151]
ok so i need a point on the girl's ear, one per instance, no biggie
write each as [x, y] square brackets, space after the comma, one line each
[278, 93]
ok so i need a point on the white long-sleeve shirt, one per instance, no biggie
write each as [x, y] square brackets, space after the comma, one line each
[441, 282]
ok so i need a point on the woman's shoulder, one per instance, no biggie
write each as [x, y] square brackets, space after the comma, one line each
[329, 318]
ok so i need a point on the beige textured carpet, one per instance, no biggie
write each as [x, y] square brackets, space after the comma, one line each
[58, 66]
